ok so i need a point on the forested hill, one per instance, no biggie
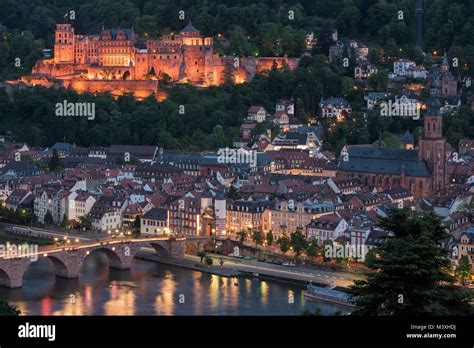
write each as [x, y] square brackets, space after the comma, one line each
[250, 26]
[213, 115]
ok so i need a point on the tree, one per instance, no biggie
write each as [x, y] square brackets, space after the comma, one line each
[257, 237]
[313, 248]
[371, 258]
[316, 312]
[48, 218]
[136, 223]
[269, 238]
[284, 243]
[379, 81]
[65, 222]
[208, 261]
[468, 210]
[463, 270]
[298, 242]
[242, 235]
[201, 254]
[7, 309]
[54, 163]
[145, 26]
[85, 222]
[164, 79]
[233, 193]
[412, 271]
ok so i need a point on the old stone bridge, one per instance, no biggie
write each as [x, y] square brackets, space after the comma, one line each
[68, 259]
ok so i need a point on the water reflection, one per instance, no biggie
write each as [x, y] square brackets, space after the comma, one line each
[151, 289]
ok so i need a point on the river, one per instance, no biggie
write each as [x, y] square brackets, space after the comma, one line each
[149, 288]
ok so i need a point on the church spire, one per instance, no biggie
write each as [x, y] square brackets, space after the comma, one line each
[445, 65]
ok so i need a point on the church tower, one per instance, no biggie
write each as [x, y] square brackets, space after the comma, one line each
[432, 149]
[64, 44]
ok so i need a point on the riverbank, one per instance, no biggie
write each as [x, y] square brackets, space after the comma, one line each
[188, 264]
[239, 268]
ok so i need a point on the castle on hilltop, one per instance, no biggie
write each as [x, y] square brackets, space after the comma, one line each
[119, 61]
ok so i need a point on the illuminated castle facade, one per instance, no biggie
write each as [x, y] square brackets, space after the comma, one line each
[119, 61]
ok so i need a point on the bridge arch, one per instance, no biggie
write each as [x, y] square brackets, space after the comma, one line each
[5, 279]
[115, 260]
[60, 267]
[160, 249]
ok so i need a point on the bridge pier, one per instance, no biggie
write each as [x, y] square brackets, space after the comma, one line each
[177, 247]
[121, 255]
[67, 264]
[173, 248]
[12, 271]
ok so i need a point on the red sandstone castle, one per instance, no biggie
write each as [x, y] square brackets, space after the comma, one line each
[119, 61]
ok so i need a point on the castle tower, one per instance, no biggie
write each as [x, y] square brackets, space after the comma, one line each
[432, 149]
[193, 54]
[64, 44]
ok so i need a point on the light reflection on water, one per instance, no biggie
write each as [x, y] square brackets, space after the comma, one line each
[152, 289]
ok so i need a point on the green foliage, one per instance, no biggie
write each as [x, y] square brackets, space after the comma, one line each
[247, 28]
[412, 275]
[233, 193]
[54, 163]
[371, 258]
[136, 223]
[269, 238]
[284, 243]
[18, 216]
[65, 222]
[201, 254]
[459, 125]
[391, 140]
[316, 312]
[313, 249]
[242, 235]
[379, 81]
[6, 309]
[463, 270]
[85, 222]
[298, 242]
[48, 218]
[208, 261]
[257, 237]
